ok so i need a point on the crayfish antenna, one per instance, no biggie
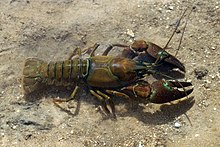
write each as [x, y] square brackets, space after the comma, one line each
[174, 31]
[184, 28]
[163, 53]
[166, 56]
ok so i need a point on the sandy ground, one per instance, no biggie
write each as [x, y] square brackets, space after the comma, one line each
[51, 29]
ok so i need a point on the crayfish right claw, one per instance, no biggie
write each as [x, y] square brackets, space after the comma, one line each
[166, 91]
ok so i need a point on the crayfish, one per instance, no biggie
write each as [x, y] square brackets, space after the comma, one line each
[109, 75]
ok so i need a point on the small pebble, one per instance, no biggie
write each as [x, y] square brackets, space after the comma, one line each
[14, 127]
[196, 135]
[177, 125]
[61, 138]
[130, 33]
[170, 7]
[140, 145]
[214, 109]
[213, 48]
[27, 136]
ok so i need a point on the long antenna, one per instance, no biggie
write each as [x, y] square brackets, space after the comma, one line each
[183, 32]
[177, 25]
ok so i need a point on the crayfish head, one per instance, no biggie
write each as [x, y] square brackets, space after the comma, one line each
[126, 69]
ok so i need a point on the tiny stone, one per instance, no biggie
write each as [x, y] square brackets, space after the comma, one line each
[213, 48]
[214, 109]
[140, 145]
[170, 7]
[212, 76]
[177, 125]
[61, 138]
[130, 33]
[27, 136]
[196, 135]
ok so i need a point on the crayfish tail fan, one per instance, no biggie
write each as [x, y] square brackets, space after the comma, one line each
[32, 75]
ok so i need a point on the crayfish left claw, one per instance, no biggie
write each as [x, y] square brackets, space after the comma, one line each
[166, 91]
[161, 55]
[152, 50]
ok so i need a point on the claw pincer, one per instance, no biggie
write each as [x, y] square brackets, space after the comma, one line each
[142, 51]
[161, 91]
[166, 91]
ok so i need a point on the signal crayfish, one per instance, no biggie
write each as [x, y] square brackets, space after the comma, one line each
[104, 75]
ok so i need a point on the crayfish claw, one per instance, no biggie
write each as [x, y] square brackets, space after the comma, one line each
[166, 91]
[161, 55]
[174, 61]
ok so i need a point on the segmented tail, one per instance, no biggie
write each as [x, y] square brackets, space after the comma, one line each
[32, 75]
